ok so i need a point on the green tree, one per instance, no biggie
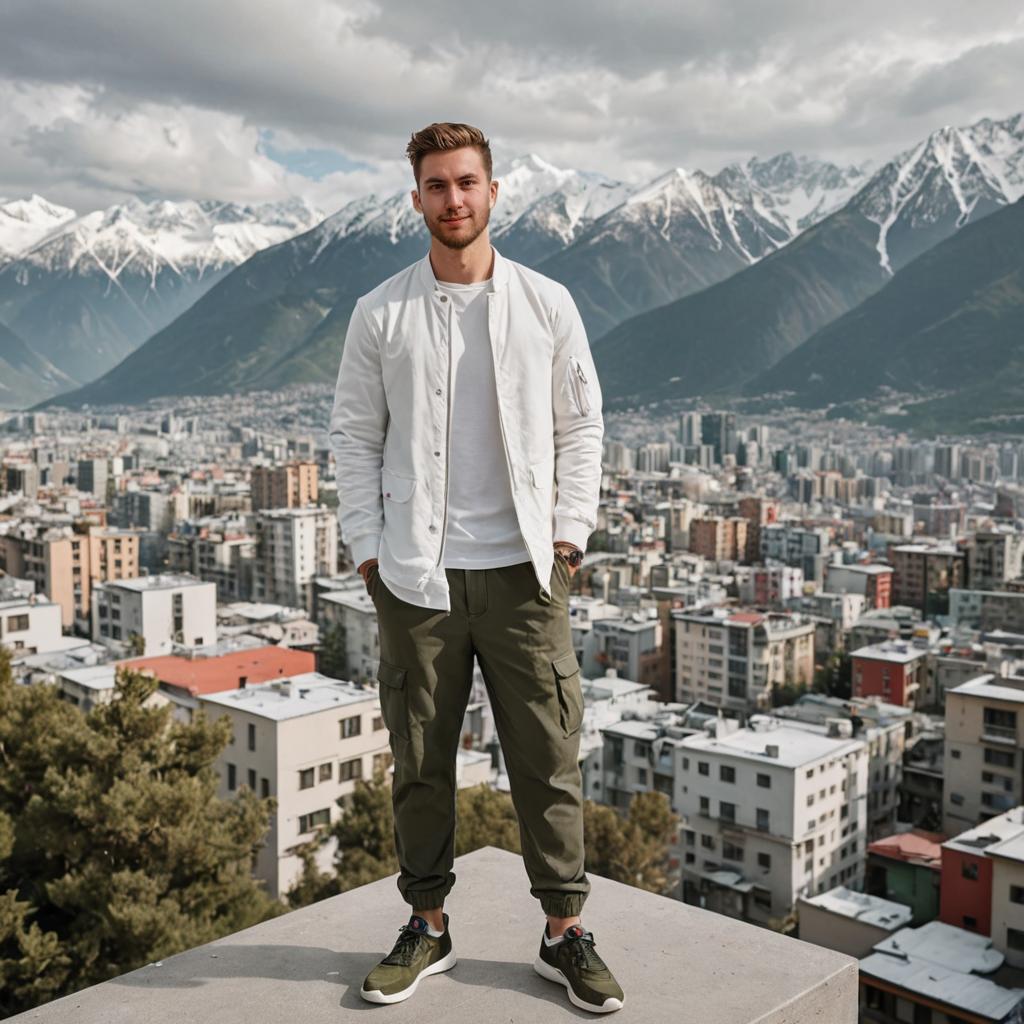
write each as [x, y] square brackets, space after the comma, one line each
[332, 658]
[115, 849]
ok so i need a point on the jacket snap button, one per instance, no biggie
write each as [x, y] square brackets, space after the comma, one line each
[444, 298]
[438, 391]
[387, 494]
[433, 529]
[438, 454]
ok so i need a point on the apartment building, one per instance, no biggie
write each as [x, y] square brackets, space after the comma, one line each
[631, 646]
[352, 614]
[66, 562]
[770, 813]
[987, 610]
[924, 574]
[893, 671]
[163, 610]
[294, 546]
[873, 582]
[719, 539]
[305, 741]
[30, 625]
[733, 659]
[805, 548]
[293, 485]
[222, 552]
[983, 762]
[771, 586]
[994, 557]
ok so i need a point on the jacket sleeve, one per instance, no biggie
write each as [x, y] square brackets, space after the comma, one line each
[578, 426]
[358, 427]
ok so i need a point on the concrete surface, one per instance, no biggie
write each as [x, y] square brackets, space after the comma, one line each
[675, 963]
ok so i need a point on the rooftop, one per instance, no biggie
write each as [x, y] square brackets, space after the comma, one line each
[796, 746]
[316, 958]
[943, 963]
[899, 651]
[989, 834]
[859, 905]
[305, 694]
[986, 687]
[157, 581]
[915, 847]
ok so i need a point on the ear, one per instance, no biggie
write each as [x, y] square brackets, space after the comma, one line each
[494, 192]
[416, 201]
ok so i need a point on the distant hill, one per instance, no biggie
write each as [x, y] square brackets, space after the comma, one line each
[25, 376]
[951, 319]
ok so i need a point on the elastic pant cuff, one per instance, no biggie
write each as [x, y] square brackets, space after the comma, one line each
[427, 899]
[568, 904]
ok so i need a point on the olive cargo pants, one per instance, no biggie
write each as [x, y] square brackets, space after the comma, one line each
[523, 642]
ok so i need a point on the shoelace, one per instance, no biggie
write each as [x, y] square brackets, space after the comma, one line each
[584, 955]
[405, 948]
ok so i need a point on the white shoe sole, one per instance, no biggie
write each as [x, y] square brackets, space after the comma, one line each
[545, 970]
[376, 996]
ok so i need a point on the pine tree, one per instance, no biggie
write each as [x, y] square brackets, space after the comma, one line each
[332, 658]
[115, 849]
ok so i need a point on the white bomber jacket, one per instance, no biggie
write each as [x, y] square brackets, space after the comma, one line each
[390, 425]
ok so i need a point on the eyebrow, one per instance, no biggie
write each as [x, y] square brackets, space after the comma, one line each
[461, 177]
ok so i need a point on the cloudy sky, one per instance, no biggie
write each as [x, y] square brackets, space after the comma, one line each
[254, 100]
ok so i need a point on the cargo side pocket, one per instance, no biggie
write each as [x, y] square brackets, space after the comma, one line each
[393, 699]
[570, 692]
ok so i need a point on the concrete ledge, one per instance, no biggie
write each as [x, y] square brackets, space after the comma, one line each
[675, 963]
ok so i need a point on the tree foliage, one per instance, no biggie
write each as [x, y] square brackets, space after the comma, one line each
[633, 849]
[115, 849]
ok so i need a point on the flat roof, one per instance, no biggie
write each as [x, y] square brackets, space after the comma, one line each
[984, 686]
[797, 746]
[873, 569]
[862, 907]
[157, 581]
[979, 839]
[28, 601]
[917, 846]
[943, 963]
[93, 677]
[898, 651]
[308, 694]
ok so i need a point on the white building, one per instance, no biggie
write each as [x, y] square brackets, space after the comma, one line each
[353, 612]
[294, 546]
[305, 741]
[165, 610]
[30, 625]
[770, 813]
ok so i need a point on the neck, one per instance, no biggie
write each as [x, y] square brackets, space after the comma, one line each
[463, 266]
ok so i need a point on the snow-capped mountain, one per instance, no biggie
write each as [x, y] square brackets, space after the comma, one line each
[94, 287]
[954, 176]
[23, 222]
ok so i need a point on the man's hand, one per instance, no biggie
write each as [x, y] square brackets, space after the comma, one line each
[364, 571]
[567, 547]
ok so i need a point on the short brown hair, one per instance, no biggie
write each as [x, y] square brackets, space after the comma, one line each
[443, 136]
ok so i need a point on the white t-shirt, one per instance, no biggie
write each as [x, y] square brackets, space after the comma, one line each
[482, 530]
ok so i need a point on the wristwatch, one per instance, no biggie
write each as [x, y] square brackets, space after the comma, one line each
[573, 558]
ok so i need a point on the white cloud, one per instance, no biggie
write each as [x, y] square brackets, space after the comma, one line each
[103, 99]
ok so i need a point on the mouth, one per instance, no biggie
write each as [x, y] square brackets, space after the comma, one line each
[453, 220]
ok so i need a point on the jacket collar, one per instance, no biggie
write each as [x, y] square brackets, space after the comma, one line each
[499, 275]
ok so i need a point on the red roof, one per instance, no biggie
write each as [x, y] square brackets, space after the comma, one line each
[915, 847]
[226, 672]
[752, 617]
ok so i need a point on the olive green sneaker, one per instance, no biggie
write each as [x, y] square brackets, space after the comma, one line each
[574, 963]
[416, 955]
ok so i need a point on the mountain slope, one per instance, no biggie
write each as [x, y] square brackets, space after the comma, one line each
[953, 318]
[94, 287]
[25, 376]
[725, 336]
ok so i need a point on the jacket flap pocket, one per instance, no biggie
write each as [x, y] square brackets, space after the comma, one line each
[566, 665]
[395, 487]
[391, 675]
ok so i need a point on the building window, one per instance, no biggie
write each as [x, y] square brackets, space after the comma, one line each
[969, 870]
[1015, 939]
[726, 811]
[702, 768]
[708, 842]
[251, 777]
[764, 860]
[639, 749]
[326, 770]
[810, 799]
[726, 773]
[762, 820]
[306, 780]
[641, 776]
[1017, 893]
[350, 726]
[764, 781]
[378, 723]
[705, 806]
[252, 736]
[970, 922]
[349, 770]
[686, 764]
[955, 754]
[308, 822]
[762, 898]
[232, 778]
[264, 788]
[1001, 758]
[956, 798]
[730, 851]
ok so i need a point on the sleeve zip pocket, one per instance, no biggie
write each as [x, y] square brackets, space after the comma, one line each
[578, 386]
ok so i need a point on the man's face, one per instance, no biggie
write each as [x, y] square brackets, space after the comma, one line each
[455, 196]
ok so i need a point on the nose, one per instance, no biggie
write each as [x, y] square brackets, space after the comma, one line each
[453, 197]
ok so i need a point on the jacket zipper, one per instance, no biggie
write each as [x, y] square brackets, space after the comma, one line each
[578, 382]
[447, 442]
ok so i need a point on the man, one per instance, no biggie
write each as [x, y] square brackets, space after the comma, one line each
[466, 392]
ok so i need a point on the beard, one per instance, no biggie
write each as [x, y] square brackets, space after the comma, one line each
[467, 235]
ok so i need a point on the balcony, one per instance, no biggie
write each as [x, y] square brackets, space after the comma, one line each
[998, 734]
[675, 962]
